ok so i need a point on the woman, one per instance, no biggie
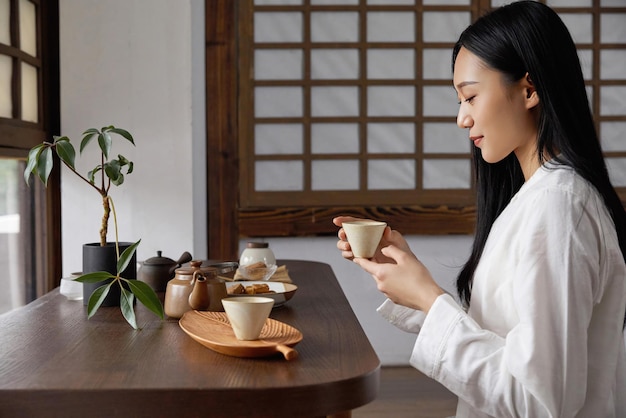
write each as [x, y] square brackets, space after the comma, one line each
[539, 332]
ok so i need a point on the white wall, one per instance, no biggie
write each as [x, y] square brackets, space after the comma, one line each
[131, 64]
[139, 65]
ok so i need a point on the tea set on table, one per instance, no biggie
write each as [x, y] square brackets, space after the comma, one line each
[237, 324]
[198, 296]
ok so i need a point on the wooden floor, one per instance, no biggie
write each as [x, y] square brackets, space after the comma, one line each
[407, 393]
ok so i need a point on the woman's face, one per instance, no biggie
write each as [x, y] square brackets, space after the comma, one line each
[498, 115]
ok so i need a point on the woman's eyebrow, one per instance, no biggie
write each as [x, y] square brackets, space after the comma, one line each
[465, 83]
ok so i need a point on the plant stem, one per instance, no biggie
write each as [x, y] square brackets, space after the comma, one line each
[102, 173]
[117, 238]
[81, 177]
[105, 203]
[105, 221]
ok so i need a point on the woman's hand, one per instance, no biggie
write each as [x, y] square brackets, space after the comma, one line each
[406, 281]
[398, 273]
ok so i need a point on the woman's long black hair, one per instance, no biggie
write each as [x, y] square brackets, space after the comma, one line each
[529, 37]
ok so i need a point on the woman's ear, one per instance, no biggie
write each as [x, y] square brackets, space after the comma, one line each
[532, 98]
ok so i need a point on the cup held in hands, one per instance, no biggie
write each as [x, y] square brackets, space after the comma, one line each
[364, 236]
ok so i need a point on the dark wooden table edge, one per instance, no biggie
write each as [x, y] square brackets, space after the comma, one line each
[325, 400]
[106, 403]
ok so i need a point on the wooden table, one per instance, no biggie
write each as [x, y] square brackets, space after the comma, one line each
[56, 363]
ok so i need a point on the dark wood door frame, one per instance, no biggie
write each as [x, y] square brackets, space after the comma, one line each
[221, 122]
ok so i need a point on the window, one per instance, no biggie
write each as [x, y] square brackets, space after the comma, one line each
[28, 113]
[346, 106]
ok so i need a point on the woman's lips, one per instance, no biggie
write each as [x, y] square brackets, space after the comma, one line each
[476, 139]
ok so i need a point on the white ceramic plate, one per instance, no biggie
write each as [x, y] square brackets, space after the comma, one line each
[284, 291]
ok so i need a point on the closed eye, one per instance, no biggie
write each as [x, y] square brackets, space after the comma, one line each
[468, 100]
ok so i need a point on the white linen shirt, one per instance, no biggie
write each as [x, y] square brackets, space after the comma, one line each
[543, 336]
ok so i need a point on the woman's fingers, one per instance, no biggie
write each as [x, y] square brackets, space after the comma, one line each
[339, 220]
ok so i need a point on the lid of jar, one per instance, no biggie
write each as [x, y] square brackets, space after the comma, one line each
[257, 245]
[188, 271]
[196, 265]
[225, 266]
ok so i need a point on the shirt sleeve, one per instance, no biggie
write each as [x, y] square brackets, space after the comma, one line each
[406, 319]
[539, 368]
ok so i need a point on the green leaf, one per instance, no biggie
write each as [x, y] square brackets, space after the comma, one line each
[88, 135]
[125, 257]
[97, 297]
[126, 305]
[122, 160]
[33, 157]
[119, 180]
[123, 133]
[113, 171]
[146, 296]
[94, 277]
[91, 131]
[104, 141]
[65, 151]
[92, 174]
[44, 165]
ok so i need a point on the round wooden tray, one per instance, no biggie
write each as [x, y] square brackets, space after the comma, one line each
[213, 330]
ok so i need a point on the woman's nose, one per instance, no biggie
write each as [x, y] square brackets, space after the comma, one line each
[463, 119]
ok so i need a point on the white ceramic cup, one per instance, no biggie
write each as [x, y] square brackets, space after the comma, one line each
[71, 289]
[364, 236]
[247, 315]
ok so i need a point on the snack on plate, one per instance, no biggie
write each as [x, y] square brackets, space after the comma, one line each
[238, 289]
[254, 289]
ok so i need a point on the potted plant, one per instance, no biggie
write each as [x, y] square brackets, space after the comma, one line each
[102, 262]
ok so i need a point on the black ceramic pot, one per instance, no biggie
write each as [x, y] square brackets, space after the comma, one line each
[97, 258]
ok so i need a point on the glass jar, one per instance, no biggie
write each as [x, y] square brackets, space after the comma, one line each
[255, 252]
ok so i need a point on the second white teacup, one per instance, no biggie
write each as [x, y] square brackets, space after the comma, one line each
[364, 236]
[247, 315]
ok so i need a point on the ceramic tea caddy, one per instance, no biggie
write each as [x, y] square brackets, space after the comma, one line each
[257, 252]
[208, 292]
[194, 287]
